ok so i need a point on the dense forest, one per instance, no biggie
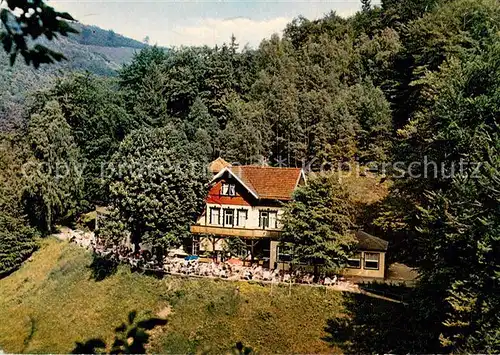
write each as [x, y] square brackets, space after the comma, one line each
[403, 82]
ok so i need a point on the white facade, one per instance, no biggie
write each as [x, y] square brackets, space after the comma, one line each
[255, 217]
[260, 218]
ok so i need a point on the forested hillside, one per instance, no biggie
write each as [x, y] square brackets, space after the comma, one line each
[95, 50]
[93, 35]
[409, 88]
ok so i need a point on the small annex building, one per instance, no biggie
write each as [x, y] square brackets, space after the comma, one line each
[369, 260]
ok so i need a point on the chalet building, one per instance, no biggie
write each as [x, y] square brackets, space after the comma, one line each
[247, 202]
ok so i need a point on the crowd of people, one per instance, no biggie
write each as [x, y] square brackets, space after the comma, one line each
[229, 271]
[193, 266]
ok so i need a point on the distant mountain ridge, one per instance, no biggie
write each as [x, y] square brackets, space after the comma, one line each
[96, 36]
[101, 52]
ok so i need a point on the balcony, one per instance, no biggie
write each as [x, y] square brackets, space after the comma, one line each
[235, 232]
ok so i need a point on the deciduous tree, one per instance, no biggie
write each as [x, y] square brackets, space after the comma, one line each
[96, 114]
[157, 186]
[53, 181]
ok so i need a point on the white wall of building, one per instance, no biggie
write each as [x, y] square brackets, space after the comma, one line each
[252, 221]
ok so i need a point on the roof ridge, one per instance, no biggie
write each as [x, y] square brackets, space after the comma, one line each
[382, 243]
[217, 165]
[247, 181]
[372, 236]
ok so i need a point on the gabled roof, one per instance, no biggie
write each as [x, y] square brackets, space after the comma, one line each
[370, 243]
[266, 182]
[218, 165]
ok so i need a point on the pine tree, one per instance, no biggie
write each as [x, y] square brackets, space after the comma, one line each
[17, 241]
[371, 111]
[317, 224]
[204, 128]
[132, 74]
[218, 83]
[246, 138]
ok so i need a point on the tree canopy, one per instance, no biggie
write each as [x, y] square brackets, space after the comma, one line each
[157, 186]
[464, 211]
[54, 184]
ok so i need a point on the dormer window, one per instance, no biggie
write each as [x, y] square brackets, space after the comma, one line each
[228, 189]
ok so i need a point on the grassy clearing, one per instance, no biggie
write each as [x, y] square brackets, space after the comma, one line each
[212, 316]
[53, 302]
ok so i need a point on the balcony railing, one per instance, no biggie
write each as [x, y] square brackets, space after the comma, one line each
[235, 232]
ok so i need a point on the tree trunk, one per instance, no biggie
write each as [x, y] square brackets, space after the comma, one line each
[316, 272]
[135, 239]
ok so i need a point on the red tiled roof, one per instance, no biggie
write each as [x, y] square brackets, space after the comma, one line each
[268, 183]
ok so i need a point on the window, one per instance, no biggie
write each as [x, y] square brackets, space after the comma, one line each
[228, 217]
[264, 220]
[268, 219]
[354, 262]
[273, 220]
[372, 261]
[214, 215]
[228, 189]
[241, 218]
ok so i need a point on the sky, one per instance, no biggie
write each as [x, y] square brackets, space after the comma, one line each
[189, 22]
